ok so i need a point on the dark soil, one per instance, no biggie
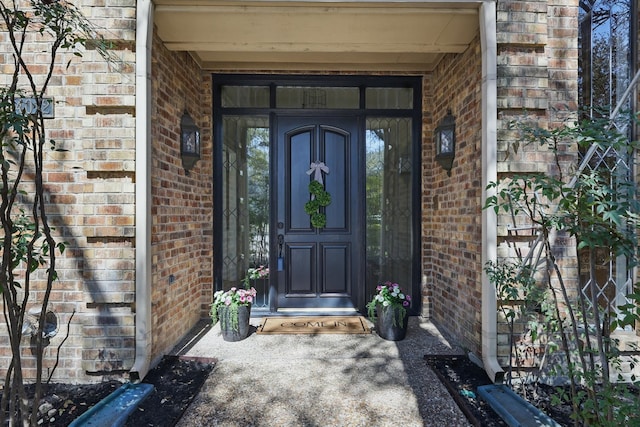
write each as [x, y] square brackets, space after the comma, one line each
[462, 378]
[63, 403]
[176, 382]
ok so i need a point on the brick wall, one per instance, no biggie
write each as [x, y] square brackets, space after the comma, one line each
[91, 201]
[93, 207]
[537, 83]
[92, 186]
[106, 149]
[537, 79]
[451, 230]
[182, 205]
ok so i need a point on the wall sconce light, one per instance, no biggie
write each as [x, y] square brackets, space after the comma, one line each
[445, 136]
[189, 142]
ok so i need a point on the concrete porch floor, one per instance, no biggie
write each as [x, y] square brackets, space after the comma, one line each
[321, 380]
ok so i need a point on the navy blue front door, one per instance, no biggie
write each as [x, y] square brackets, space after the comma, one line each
[319, 266]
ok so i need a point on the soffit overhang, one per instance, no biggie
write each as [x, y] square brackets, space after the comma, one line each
[317, 35]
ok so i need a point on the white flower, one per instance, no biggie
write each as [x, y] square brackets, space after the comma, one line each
[385, 303]
[401, 296]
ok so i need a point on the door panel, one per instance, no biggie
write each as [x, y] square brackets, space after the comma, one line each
[299, 149]
[301, 279]
[336, 265]
[319, 263]
[336, 154]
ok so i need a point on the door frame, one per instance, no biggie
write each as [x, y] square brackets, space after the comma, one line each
[360, 81]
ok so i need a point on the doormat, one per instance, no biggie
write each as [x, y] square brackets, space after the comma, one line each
[314, 325]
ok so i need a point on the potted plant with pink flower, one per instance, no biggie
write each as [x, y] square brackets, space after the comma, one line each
[388, 310]
[254, 274]
[233, 309]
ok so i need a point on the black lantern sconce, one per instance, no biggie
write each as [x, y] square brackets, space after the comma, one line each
[445, 136]
[189, 142]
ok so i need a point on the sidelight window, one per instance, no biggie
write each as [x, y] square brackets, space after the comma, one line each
[245, 203]
[388, 201]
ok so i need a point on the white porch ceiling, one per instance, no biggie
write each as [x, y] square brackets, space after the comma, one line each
[410, 36]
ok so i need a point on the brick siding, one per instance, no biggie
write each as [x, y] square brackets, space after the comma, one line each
[537, 83]
[451, 205]
[92, 183]
[91, 203]
[182, 205]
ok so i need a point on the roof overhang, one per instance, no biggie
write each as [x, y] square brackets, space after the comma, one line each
[317, 35]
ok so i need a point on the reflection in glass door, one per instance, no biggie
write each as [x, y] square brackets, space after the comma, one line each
[245, 179]
[389, 201]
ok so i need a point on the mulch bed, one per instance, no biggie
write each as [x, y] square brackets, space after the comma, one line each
[462, 378]
[176, 382]
[63, 403]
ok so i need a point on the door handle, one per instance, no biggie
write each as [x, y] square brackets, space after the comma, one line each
[280, 256]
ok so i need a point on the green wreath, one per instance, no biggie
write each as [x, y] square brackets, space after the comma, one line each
[321, 199]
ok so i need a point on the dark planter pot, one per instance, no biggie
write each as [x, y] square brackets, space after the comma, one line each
[232, 330]
[385, 325]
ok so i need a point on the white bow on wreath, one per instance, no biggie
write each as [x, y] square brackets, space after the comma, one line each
[316, 168]
[319, 196]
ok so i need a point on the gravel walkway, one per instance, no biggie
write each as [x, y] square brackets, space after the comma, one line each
[322, 380]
